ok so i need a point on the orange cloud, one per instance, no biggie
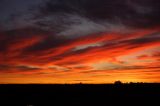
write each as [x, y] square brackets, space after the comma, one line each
[37, 55]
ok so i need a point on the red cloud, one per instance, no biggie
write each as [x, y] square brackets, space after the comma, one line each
[66, 57]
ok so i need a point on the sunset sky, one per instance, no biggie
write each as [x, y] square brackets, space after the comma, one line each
[72, 41]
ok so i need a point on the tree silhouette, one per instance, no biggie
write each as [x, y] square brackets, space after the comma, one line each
[117, 82]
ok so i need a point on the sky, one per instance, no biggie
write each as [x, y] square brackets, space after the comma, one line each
[73, 41]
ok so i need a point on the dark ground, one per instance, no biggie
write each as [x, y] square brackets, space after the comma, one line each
[80, 95]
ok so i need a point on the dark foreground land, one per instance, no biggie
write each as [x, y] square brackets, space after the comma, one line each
[80, 95]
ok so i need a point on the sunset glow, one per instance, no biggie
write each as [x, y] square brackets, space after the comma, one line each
[68, 45]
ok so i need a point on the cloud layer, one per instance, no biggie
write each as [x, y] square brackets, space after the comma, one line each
[77, 40]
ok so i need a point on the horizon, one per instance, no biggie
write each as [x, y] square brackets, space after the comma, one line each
[80, 83]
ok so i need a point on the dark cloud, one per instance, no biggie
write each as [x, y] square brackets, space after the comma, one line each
[14, 68]
[17, 13]
[9, 38]
[83, 17]
[48, 43]
[102, 14]
[124, 68]
[143, 40]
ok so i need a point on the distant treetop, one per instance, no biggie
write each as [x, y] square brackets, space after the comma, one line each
[117, 82]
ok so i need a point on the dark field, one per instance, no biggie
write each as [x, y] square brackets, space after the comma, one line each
[80, 95]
